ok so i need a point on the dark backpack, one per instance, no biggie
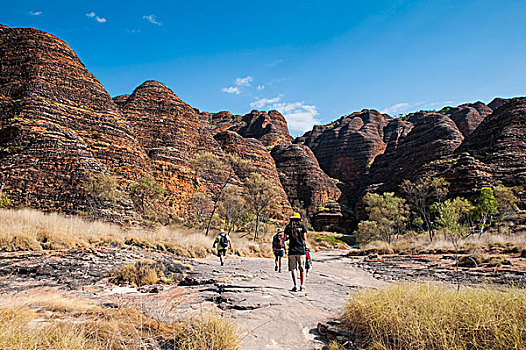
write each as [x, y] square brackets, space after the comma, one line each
[223, 241]
[278, 242]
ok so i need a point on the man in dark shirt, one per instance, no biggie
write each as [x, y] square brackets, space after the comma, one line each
[296, 234]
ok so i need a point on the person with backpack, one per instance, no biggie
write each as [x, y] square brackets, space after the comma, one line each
[278, 246]
[308, 261]
[222, 242]
[296, 234]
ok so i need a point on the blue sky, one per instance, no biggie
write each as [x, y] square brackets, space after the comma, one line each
[312, 60]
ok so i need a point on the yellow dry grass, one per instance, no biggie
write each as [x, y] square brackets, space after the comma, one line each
[60, 322]
[28, 229]
[417, 316]
[420, 244]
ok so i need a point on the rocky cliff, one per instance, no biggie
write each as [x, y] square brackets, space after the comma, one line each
[256, 159]
[268, 127]
[60, 131]
[306, 185]
[500, 143]
[347, 147]
[58, 125]
[170, 133]
[423, 138]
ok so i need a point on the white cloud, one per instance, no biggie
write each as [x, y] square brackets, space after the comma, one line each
[244, 81]
[262, 102]
[261, 87]
[300, 117]
[231, 90]
[97, 18]
[35, 13]
[397, 108]
[152, 20]
[405, 107]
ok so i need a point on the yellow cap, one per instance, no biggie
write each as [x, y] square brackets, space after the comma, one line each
[296, 216]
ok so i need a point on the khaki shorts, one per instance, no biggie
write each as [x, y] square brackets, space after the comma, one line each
[296, 262]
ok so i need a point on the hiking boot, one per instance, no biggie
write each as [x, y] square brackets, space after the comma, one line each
[294, 289]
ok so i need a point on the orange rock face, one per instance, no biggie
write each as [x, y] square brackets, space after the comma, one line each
[258, 160]
[307, 186]
[268, 127]
[347, 147]
[58, 124]
[170, 132]
[499, 142]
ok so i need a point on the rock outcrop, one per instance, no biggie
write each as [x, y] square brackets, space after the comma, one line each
[346, 148]
[170, 132]
[256, 159]
[500, 143]
[431, 137]
[498, 102]
[306, 185]
[268, 127]
[468, 117]
[58, 125]
[221, 121]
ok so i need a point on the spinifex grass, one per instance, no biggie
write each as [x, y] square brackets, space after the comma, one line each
[417, 316]
[28, 229]
[52, 321]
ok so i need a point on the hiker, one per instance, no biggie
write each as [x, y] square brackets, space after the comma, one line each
[308, 261]
[278, 246]
[296, 234]
[222, 242]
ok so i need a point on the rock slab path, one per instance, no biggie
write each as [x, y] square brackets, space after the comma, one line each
[259, 299]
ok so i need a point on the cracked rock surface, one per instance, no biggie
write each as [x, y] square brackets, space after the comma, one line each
[260, 300]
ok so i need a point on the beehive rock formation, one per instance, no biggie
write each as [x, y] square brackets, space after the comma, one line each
[346, 148]
[306, 185]
[59, 128]
[268, 127]
[468, 117]
[256, 159]
[500, 143]
[58, 125]
[170, 132]
[425, 137]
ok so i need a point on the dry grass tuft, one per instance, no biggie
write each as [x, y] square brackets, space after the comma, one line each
[208, 331]
[413, 316]
[141, 273]
[41, 322]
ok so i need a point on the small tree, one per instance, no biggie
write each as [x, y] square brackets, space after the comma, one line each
[387, 212]
[4, 198]
[218, 173]
[261, 196]
[506, 203]
[421, 194]
[146, 194]
[232, 208]
[485, 208]
[452, 217]
[367, 231]
[201, 204]
[102, 190]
